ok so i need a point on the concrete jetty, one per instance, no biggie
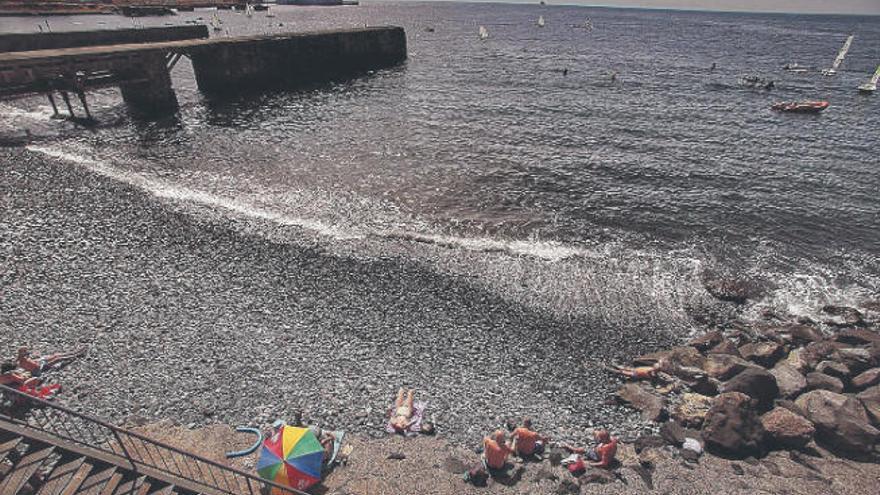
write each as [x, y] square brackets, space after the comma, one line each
[222, 65]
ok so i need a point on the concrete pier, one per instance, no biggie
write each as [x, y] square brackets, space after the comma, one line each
[221, 65]
[20, 42]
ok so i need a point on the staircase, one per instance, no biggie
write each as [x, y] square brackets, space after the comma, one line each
[47, 449]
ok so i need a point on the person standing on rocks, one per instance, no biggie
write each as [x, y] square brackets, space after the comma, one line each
[602, 456]
[36, 366]
[527, 442]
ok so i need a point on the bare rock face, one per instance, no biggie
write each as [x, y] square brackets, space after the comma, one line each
[867, 379]
[821, 381]
[724, 366]
[787, 429]
[692, 409]
[790, 382]
[732, 428]
[764, 353]
[652, 407]
[842, 425]
[871, 400]
[756, 383]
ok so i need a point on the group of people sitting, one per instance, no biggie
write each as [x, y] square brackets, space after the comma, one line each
[26, 372]
[524, 441]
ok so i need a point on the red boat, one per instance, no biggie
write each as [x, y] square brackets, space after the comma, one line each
[801, 106]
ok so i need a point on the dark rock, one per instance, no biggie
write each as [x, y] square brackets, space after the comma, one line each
[652, 407]
[556, 456]
[732, 428]
[791, 406]
[648, 442]
[757, 383]
[737, 469]
[764, 353]
[737, 291]
[867, 379]
[568, 486]
[817, 352]
[842, 425]
[786, 429]
[596, 475]
[726, 347]
[844, 316]
[703, 385]
[821, 381]
[790, 382]
[857, 336]
[724, 366]
[397, 456]
[707, 341]
[673, 433]
[792, 334]
[871, 400]
[856, 359]
[833, 368]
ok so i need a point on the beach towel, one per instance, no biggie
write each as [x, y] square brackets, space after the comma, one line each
[416, 426]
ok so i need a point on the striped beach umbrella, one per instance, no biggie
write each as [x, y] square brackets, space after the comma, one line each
[291, 457]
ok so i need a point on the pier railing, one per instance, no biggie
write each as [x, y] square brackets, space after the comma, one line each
[127, 447]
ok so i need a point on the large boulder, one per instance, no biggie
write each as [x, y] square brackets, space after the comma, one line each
[856, 359]
[652, 407]
[821, 381]
[726, 347]
[797, 334]
[737, 291]
[724, 366]
[692, 409]
[755, 382]
[871, 400]
[787, 429]
[764, 353]
[841, 422]
[858, 336]
[833, 368]
[790, 382]
[732, 428]
[795, 359]
[816, 352]
[843, 316]
[867, 379]
[707, 341]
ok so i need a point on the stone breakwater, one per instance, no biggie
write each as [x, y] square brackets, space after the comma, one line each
[187, 316]
[743, 390]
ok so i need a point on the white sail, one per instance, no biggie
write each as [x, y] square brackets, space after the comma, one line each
[541, 21]
[840, 56]
[269, 12]
[216, 22]
[876, 77]
[484, 33]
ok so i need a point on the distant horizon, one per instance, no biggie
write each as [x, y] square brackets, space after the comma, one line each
[807, 7]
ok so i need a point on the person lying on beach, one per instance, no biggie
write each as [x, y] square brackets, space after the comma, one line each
[638, 372]
[495, 451]
[36, 366]
[11, 376]
[402, 415]
[602, 456]
[527, 442]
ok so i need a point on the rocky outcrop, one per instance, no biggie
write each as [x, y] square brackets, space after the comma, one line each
[842, 425]
[692, 409]
[652, 407]
[787, 429]
[764, 353]
[724, 366]
[835, 369]
[870, 398]
[707, 341]
[821, 381]
[732, 428]
[790, 382]
[756, 383]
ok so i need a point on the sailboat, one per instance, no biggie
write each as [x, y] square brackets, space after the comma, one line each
[541, 21]
[832, 71]
[871, 86]
[249, 10]
[484, 34]
[269, 12]
[588, 24]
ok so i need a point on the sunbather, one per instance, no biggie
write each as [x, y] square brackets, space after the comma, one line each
[11, 376]
[496, 450]
[402, 415]
[528, 442]
[602, 455]
[36, 366]
[638, 372]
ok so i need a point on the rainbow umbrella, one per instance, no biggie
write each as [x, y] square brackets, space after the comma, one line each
[291, 457]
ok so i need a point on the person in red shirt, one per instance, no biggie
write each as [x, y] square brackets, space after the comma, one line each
[36, 366]
[496, 451]
[12, 377]
[528, 442]
[602, 456]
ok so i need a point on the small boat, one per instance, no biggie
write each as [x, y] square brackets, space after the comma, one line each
[800, 106]
[484, 33]
[794, 68]
[216, 23]
[871, 86]
[832, 71]
[541, 21]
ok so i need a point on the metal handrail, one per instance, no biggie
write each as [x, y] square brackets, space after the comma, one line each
[132, 446]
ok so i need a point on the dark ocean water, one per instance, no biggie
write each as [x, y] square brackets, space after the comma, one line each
[566, 192]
